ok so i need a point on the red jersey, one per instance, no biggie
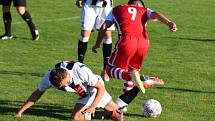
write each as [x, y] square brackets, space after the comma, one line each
[132, 46]
[130, 19]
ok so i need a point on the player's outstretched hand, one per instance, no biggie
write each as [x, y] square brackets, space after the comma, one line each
[172, 26]
[17, 115]
[79, 3]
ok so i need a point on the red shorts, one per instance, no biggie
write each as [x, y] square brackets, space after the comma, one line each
[129, 52]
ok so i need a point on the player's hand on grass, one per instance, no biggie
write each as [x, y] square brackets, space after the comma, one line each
[79, 3]
[18, 115]
[90, 110]
[172, 26]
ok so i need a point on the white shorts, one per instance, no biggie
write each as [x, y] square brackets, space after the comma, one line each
[94, 16]
[88, 100]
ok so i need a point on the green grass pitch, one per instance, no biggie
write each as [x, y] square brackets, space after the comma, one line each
[185, 60]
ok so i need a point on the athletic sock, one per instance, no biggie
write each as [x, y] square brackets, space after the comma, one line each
[27, 18]
[127, 97]
[7, 22]
[130, 91]
[118, 73]
[82, 48]
[107, 48]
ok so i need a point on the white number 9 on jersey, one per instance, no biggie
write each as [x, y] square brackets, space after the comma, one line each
[133, 12]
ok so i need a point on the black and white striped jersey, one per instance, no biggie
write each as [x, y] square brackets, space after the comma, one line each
[81, 78]
[101, 3]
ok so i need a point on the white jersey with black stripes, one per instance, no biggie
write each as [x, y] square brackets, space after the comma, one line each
[82, 78]
[80, 75]
[101, 3]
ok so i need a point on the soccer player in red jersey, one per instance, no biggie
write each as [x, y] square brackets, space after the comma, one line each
[131, 47]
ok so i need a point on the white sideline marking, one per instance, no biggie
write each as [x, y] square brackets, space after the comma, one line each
[51, 20]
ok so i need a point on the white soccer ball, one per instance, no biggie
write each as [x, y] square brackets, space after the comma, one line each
[151, 108]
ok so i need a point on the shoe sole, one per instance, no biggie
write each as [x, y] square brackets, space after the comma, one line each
[153, 83]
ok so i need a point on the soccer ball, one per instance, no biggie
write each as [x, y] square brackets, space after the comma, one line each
[151, 108]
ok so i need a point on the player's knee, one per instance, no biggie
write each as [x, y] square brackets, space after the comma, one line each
[20, 10]
[84, 39]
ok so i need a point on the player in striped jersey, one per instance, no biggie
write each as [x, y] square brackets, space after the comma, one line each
[77, 78]
[94, 13]
[132, 46]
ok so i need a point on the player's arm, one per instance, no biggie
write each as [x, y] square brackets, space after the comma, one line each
[100, 93]
[171, 25]
[101, 34]
[92, 80]
[31, 100]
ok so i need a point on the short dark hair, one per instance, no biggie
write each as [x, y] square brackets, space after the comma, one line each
[136, 2]
[56, 76]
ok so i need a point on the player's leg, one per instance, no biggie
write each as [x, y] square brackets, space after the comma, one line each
[121, 57]
[130, 91]
[136, 60]
[20, 7]
[82, 44]
[121, 74]
[127, 97]
[135, 64]
[125, 49]
[107, 48]
[107, 40]
[87, 24]
[118, 68]
[7, 19]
